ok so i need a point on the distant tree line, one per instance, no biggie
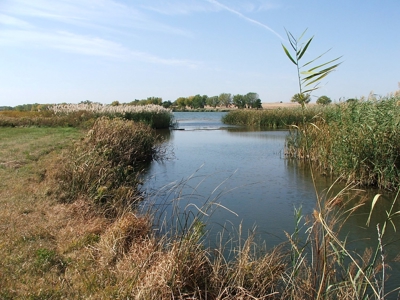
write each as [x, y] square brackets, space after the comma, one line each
[250, 100]
[26, 107]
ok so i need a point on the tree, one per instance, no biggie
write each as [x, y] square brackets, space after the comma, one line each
[251, 99]
[154, 100]
[213, 101]
[198, 101]
[115, 103]
[225, 99]
[189, 101]
[181, 102]
[310, 78]
[324, 100]
[239, 101]
[167, 104]
[258, 104]
[301, 98]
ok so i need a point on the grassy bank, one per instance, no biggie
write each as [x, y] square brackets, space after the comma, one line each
[70, 229]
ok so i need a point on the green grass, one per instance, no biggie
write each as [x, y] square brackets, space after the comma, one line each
[27, 239]
[27, 144]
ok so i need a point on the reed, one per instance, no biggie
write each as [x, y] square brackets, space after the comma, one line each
[105, 166]
[84, 115]
[153, 115]
[273, 118]
[357, 141]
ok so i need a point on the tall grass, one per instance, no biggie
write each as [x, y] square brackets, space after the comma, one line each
[84, 115]
[357, 141]
[105, 166]
[153, 115]
[46, 118]
[271, 118]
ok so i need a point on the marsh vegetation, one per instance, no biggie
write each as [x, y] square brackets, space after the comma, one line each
[71, 228]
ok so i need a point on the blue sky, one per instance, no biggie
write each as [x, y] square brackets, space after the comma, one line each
[106, 50]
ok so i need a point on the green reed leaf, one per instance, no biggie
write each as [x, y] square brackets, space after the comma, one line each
[305, 48]
[288, 55]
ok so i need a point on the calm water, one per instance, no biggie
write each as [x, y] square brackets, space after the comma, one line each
[245, 172]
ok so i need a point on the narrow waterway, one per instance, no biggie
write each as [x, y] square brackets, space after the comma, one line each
[239, 178]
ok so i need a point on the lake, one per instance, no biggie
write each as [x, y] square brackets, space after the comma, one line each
[236, 176]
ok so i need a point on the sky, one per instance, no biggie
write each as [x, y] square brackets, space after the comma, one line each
[107, 50]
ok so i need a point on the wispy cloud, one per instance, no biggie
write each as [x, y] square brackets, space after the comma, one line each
[245, 17]
[14, 22]
[107, 15]
[177, 7]
[86, 45]
[166, 61]
[94, 28]
[66, 41]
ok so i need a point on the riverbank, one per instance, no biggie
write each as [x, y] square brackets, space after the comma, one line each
[74, 247]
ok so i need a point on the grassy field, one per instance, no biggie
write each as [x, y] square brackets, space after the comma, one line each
[29, 220]
[69, 230]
